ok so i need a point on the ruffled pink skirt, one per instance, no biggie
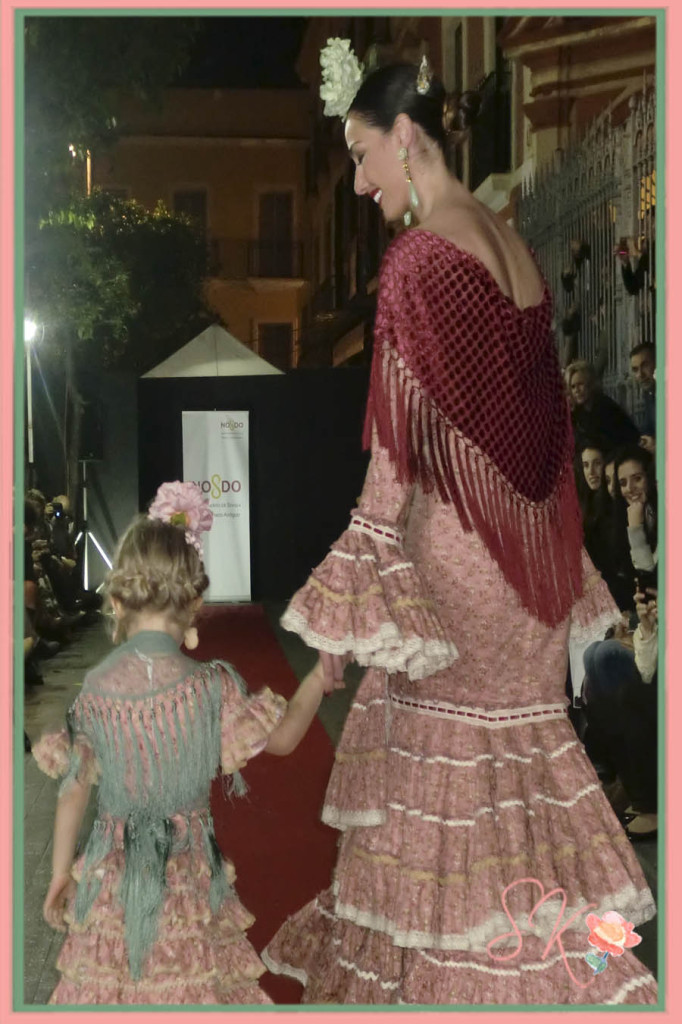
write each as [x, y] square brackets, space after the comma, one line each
[198, 957]
[442, 822]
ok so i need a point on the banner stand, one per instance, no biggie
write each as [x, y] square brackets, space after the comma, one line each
[215, 455]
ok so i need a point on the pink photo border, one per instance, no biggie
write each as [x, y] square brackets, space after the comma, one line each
[673, 302]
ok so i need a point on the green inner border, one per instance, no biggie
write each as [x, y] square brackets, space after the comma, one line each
[19, 411]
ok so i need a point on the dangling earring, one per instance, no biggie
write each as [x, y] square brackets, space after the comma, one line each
[414, 198]
[191, 638]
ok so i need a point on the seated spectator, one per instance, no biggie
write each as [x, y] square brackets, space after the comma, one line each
[64, 569]
[595, 416]
[620, 705]
[643, 369]
[50, 620]
[35, 646]
[635, 506]
[612, 559]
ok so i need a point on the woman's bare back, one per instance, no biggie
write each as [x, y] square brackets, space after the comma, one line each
[474, 228]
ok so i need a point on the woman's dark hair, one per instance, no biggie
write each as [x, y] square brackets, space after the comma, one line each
[633, 453]
[31, 516]
[392, 90]
[593, 504]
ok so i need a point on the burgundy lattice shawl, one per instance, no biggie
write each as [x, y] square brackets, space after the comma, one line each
[466, 394]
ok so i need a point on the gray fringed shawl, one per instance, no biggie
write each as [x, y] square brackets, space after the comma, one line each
[153, 719]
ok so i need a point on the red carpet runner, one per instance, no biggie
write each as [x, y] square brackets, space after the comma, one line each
[283, 854]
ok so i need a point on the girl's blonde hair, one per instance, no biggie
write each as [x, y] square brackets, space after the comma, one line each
[155, 569]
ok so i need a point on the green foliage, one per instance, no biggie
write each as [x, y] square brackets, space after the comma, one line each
[78, 71]
[107, 270]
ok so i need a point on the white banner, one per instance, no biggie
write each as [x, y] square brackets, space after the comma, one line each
[215, 455]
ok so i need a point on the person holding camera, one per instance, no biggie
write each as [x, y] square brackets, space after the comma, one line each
[620, 702]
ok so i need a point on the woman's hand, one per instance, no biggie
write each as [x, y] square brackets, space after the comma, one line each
[646, 607]
[333, 666]
[61, 889]
[636, 513]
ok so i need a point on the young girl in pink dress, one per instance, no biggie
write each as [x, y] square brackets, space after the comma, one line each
[150, 909]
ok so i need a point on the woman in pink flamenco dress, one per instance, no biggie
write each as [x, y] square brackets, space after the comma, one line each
[152, 914]
[479, 861]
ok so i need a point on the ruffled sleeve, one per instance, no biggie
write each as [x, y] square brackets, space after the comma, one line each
[58, 758]
[592, 615]
[246, 720]
[366, 598]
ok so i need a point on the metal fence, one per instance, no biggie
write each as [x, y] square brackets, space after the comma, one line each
[599, 200]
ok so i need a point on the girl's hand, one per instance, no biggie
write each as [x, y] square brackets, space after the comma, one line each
[333, 666]
[636, 514]
[60, 890]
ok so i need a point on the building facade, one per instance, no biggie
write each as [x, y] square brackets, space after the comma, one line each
[546, 84]
[234, 161]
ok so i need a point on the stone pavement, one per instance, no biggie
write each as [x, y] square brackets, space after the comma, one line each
[45, 707]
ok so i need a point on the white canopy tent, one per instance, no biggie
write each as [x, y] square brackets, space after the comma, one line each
[213, 353]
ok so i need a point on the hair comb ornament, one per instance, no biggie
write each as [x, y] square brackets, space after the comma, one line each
[341, 77]
[424, 77]
[183, 504]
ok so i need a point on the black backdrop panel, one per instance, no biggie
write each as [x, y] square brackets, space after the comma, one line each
[306, 461]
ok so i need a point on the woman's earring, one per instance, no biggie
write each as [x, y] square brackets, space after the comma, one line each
[191, 638]
[414, 198]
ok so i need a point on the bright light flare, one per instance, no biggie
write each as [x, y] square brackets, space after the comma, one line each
[30, 330]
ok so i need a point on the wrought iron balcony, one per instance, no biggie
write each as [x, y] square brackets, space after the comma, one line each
[242, 258]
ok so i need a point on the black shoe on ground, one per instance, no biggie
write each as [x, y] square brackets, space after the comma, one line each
[32, 676]
[46, 648]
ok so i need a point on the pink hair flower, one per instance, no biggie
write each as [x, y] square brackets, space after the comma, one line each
[183, 504]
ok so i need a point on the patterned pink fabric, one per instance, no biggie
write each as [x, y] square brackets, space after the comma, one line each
[440, 812]
[198, 956]
[367, 598]
[53, 755]
[246, 729]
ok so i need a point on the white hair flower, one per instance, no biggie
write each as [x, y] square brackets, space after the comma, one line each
[341, 74]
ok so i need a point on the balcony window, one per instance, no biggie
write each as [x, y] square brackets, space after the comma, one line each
[193, 203]
[275, 249]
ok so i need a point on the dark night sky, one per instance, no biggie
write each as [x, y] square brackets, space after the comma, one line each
[248, 53]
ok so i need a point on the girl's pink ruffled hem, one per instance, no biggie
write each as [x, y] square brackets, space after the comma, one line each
[199, 957]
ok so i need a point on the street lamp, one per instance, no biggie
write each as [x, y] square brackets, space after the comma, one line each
[30, 333]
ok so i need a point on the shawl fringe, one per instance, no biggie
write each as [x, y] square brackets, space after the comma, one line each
[537, 545]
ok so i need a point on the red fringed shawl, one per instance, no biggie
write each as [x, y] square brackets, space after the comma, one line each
[466, 394]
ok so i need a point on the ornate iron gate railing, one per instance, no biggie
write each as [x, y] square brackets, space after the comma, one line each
[575, 215]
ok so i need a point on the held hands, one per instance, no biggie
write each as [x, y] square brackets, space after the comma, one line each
[60, 891]
[332, 666]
